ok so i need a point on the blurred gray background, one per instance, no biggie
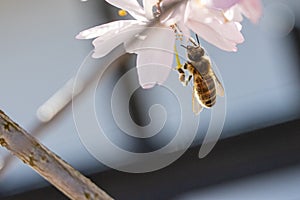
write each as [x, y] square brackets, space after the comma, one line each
[39, 54]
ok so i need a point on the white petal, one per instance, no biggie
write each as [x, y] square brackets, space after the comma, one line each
[187, 11]
[174, 15]
[103, 45]
[105, 29]
[238, 26]
[153, 67]
[132, 6]
[152, 37]
[154, 55]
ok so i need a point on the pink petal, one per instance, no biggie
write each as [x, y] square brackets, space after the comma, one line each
[132, 6]
[234, 14]
[211, 25]
[228, 30]
[211, 36]
[105, 29]
[154, 55]
[222, 4]
[252, 9]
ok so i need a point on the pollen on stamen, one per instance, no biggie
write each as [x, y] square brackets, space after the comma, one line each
[122, 13]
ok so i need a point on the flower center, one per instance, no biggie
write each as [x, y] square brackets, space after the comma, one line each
[156, 9]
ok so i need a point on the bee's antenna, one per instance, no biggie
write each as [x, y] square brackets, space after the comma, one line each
[183, 46]
[193, 41]
[197, 38]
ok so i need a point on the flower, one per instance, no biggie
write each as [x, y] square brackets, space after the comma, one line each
[252, 9]
[212, 25]
[154, 47]
[216, 21]
[219, 20]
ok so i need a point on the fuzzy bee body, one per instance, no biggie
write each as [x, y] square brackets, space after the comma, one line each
[205, 90]
[206, 85]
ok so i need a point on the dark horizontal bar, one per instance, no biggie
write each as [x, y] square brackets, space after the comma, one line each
[232, 158]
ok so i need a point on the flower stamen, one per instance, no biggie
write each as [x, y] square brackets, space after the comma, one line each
[177, 31]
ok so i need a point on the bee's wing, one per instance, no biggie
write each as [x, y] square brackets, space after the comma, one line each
[219, 87]
[197, 108]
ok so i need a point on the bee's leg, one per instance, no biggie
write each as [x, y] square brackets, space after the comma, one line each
[181, 75]
[181, 72]
[186, 81]
[179, 67]
[189, 79]
[186, 66]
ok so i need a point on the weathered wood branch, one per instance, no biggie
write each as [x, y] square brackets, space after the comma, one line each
[46, 163]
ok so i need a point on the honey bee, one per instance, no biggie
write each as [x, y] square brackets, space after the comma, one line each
[206, 84]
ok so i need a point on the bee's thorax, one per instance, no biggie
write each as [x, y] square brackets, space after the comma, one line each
[195, 53]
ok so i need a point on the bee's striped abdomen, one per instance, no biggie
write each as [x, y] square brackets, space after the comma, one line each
[206, 90]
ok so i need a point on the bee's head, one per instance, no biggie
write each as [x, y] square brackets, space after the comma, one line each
[194, 53]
